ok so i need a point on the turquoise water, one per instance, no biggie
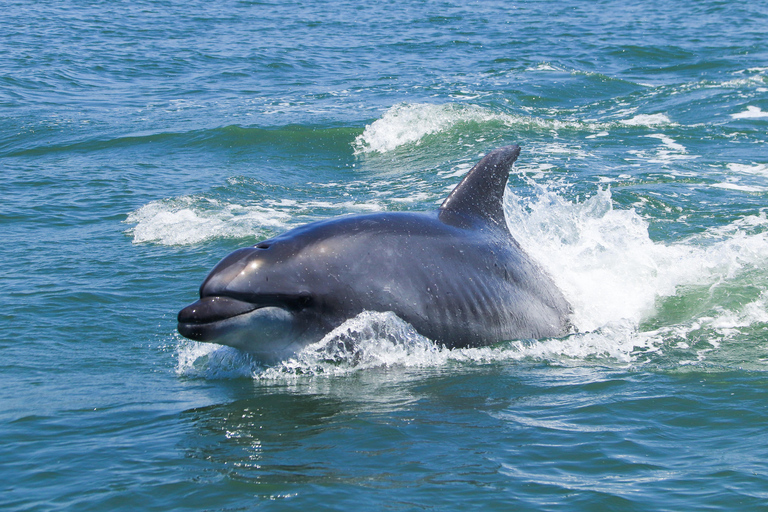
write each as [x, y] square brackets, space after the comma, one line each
[141, 142]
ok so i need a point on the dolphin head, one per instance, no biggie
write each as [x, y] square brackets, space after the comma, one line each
[274, 298]
[255, 300]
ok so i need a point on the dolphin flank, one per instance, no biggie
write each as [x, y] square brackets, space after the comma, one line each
[456, 274]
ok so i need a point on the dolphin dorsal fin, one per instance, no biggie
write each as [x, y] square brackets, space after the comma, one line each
[481, 193]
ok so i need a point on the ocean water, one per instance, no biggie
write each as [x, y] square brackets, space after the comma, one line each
[142, 141]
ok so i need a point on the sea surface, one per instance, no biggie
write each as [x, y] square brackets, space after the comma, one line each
[142, 141]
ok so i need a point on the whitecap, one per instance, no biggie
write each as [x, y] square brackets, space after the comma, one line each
[740, 188]
[545, 66]
[647, 120]
[191, 219]
[754, 168]
[409, 123]
[751, 113]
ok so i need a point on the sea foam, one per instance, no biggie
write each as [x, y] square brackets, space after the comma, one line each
[647, 120]
[189, 220]
[410, 123]
[752, 112]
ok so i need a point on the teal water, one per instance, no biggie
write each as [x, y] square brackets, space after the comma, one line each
[141, 142]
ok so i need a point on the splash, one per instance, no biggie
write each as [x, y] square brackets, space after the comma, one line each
[607, 265]
[374, 340]
[212, 362]
[369, 340]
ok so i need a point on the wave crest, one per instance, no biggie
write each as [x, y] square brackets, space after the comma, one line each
[410, 123]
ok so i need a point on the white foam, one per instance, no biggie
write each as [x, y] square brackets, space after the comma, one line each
[669, 142]
[545, 66]
[190, 220]
[759, 169]
[413, 198]
[606, 263]
[738, 82]
[701, 336]
[751, 113]
[670, 150]
[409, 123]
[560, 148]
[751, 313]
[370, 340]
[740, 188]
[647, 120]
[535, 171]
[382, 340]
[455, 172]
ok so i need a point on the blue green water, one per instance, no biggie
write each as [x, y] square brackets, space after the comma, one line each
[142, 141]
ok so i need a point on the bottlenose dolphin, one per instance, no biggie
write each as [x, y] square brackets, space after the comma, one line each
[455, 274]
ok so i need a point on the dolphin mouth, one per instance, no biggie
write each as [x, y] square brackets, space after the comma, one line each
[215, 308]
[195, 320]
[266, 330]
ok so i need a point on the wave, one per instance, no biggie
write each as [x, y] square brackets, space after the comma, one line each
[411, 123]
[407, 124]
[294, 137]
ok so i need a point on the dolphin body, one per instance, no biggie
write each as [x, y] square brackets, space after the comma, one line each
[455, 274]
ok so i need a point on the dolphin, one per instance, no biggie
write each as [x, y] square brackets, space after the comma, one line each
[455, 274]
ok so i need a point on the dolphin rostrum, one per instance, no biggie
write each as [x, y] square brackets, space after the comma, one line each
[455, 274]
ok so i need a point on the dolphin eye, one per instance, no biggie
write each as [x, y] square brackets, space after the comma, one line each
[263, 245]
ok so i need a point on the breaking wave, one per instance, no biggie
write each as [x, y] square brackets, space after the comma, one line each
[410, 123]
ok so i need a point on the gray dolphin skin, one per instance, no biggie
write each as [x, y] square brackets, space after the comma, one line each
[455, 274]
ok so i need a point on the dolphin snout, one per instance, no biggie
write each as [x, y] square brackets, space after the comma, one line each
[213, 309]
